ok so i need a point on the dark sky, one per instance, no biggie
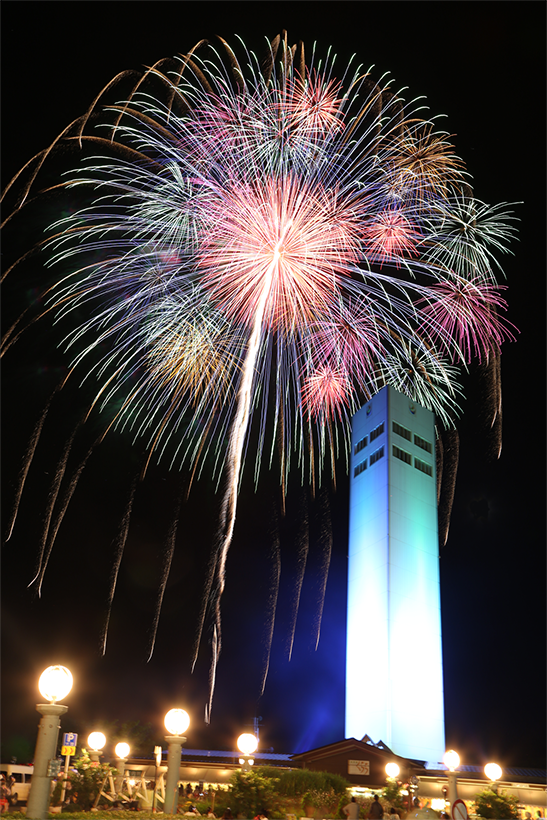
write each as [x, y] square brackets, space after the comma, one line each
[482, 64]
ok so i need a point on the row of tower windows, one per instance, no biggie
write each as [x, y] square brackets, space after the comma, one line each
[404, 432]
[398, 453]
[362, 466]
[407, 458]
[362, 443]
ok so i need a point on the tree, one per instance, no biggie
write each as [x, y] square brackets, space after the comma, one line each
[252, 793]
[495, 805]
[85, 781]
[392, 794]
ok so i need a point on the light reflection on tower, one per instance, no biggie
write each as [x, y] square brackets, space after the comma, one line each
[393, 580]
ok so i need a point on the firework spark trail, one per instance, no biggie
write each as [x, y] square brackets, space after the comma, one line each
[234, 457]
[439, 459]
[54, 529]
[325, 541]
[451, 449]
[271, 604]
[119, 546]
[168, 554]
[303, 544]
[52, 499]
[27, 461]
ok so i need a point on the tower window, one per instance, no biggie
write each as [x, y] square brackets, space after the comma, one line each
[360, 468]
[360, 445]
[421, 442]
[377, 454]
[377, 431]
[423, 467]
[402, 454]
[402, 431]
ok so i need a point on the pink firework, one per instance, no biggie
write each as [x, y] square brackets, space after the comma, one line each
[325, 393]
[310, 235]
[390, 235]
[314, 106]
[466, 313]
[351, 337]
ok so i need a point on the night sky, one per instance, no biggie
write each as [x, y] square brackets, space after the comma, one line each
[481, 64]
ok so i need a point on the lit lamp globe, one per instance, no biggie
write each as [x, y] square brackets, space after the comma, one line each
[95, 741]
[55, 683]
[247, 743]
[177, 721]
[122, 750]
[451, 760]
[392, 770]
[493, 771]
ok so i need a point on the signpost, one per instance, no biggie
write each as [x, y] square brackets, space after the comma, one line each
[70, 740]
[459, 810]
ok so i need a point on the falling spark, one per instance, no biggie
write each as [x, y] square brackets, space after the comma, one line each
[27, 461]
[119, 546]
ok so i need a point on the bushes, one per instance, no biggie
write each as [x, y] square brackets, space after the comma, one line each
[297, 782]
[496, 805]
[252, 793]
[278, 793]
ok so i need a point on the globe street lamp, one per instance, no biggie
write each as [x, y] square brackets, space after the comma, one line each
[452, 760]
[176, 721]
[54, 685]
[122, 753]
[392, 770]
[95, 741]
[247, 745]
[493, 772]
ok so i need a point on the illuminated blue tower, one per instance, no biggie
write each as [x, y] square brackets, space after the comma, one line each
[394, 678]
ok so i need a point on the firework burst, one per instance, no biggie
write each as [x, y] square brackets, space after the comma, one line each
[267, 236]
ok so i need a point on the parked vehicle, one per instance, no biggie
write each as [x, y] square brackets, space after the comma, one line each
[20, 784]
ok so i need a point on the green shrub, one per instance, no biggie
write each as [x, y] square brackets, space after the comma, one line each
[495, 805]
[252, 793]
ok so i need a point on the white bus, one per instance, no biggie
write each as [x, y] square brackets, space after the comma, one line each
[22, 776]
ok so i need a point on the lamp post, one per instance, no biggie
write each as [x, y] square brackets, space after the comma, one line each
[157, 761]
[493, 772]
[54, 685]
[176, 721]
[122, 753]
[247, 745]
[95, 741]
[452, 761]
[392, 772]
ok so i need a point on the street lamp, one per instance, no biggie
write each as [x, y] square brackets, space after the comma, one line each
[493, 772]
[54, 685]
[247, 745]
[122, 753]
[95, 741]
[176, 721]
[452, 760]
[392, 770]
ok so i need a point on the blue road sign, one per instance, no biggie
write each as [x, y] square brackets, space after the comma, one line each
[70, 739]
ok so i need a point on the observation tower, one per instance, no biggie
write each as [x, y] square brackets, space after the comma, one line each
[394, 676]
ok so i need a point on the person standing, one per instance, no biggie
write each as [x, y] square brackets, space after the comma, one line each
[376, 811]
[352, 809]
[4, 795]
